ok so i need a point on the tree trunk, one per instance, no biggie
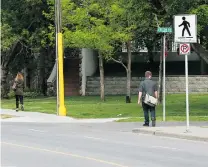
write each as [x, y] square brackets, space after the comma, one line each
[128, 74]
[160, 75]
[4, 85]
[6, 60]
[102, 84]
[42, 75]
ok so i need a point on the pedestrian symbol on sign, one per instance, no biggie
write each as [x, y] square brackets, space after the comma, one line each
[185, 28]
[185, 25]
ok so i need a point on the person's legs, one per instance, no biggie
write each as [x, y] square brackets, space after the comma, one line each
[183, 32]
[17, 102]
[188, 31]
[146, 114]
[153, 115]
[21, 102]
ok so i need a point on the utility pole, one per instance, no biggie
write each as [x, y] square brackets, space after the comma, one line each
[59, 53]
[57, 78]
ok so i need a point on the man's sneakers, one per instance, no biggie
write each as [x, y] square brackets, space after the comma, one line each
[153, 123]
[17, 109]
[145, 124]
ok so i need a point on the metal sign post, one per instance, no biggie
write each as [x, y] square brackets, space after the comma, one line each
[185, 50]
[57, 79]
[187, 93]
[185, 28]
[164, 30]
[164, 40]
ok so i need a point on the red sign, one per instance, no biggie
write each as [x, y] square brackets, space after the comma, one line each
[184, 49]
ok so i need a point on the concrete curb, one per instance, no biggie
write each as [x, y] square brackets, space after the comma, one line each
[25, 116]
[173, 135]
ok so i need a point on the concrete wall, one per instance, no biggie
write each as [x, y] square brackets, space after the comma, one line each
[117, 85]
[88, 66]
[90, 61]
[172, 56]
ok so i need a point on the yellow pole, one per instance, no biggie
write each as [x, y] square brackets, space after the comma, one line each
[62, 108]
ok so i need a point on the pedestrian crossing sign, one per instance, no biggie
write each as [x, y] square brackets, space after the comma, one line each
[185, 28]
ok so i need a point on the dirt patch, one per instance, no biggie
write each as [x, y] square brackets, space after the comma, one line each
[6, 116]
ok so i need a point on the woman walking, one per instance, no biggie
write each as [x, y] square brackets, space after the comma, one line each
[18, 89]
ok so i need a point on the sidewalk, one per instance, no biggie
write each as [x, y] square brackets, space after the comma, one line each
[46, 118]
[198, 133]
[167, 129]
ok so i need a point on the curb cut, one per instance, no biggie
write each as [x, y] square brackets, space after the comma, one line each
[173, 135]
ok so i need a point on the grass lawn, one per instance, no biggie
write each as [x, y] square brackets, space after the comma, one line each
[168, 118]
[115, 107]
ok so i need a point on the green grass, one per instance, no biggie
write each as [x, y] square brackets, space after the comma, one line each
[115, 107]
[168, 118]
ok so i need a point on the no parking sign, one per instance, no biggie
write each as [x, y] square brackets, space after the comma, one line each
[185, 49]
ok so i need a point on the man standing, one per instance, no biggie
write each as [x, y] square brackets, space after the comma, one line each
[150, 87]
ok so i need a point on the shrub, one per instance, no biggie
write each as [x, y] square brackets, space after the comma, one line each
[27, 94]
[32, 94]
[11, 94]
[51, 92]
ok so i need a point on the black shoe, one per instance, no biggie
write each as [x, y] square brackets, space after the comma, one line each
[17, 109]
[153, 123]
[145, 124]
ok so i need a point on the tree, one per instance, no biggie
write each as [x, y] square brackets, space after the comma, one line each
[84, 28]
[9, 43]
[201, 49]
[164, 11]
[12, 42]
[25, 33]
[131, 23]
[92, 24]
[199, 7]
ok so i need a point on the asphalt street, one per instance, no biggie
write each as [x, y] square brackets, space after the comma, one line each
[93, 145]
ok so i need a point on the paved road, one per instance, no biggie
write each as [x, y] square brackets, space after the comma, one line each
[93, 145]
